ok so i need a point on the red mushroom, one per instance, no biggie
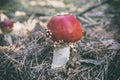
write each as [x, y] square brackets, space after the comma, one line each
[6, 27]
[63, 28]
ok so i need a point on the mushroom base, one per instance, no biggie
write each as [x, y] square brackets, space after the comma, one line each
[60, 56]
[8, 38]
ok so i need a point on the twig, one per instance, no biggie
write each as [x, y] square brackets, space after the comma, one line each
[10, 58]
[93, 7]
[90, 25]
[83, 19]
[79, 71]
[90, 19]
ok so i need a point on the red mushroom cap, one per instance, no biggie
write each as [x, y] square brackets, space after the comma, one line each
[7, 23]
[65, 27]
[6, 26]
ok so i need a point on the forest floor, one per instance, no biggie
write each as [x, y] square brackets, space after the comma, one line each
[29, 58]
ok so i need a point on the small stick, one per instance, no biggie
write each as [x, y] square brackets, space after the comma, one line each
[90, 25]
[93, 7]
[83, 19]
[90, 19]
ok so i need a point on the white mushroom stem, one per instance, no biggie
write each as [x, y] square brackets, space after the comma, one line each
[8, 38]
[60, 56]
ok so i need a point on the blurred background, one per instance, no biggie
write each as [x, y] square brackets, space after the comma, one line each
[46, 7]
